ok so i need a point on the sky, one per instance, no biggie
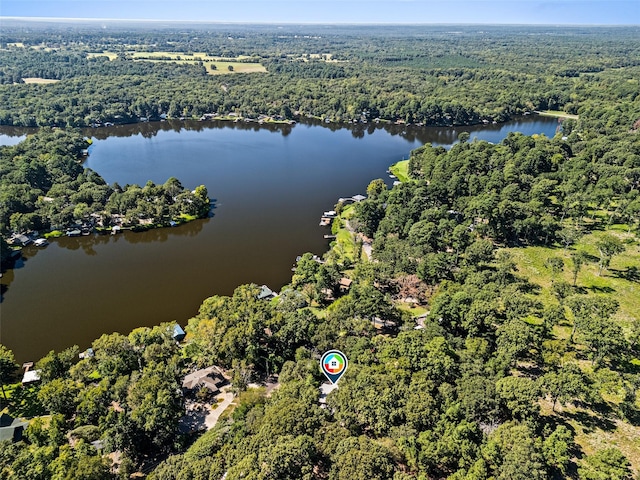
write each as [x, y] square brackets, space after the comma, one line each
[573, 12]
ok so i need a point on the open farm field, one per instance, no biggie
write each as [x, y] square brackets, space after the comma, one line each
[214, 65]
[39, 80]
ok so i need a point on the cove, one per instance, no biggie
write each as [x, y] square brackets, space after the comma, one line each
[271, 184]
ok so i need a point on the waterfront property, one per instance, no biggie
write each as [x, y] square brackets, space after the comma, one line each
[210, 378]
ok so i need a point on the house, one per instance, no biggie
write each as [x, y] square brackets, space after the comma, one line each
[358, 198]
[11, 428]
[21, 240]
[210, 377]
[178, 333]
[266, 293]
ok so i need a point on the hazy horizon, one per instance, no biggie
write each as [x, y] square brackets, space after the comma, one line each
[350, 12]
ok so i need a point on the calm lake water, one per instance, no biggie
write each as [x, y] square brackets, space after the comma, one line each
[271, 185]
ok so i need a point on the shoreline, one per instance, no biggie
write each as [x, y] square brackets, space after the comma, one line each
[269, 120]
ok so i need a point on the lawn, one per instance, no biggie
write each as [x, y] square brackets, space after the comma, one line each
[557, 113]
[401, 170]
[594, 430]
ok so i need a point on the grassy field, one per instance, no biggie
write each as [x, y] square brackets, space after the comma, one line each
[214, 65]
[401, 170]
[39, 80]
[556, 113]
[594, 430]
[109, 55]
[531, 262]
[345, 243]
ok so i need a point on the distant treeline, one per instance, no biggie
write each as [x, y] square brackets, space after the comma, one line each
[430, 77]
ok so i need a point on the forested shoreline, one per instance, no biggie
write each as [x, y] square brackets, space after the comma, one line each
[493, 333]
[44, 188]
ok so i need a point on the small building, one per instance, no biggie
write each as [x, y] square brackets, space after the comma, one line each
[266, 293]
[88, 353]
[11, 428]
[358, 198]
[345, 284]
[178, 333]
[31, 376]
[21, 240]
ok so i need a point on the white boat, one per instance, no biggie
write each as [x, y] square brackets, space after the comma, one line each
[41, 242]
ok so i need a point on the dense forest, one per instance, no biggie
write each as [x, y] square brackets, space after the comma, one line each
[493, 332]
[413, 75]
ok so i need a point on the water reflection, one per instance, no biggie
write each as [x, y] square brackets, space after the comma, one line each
[439, 135]
[87, 243]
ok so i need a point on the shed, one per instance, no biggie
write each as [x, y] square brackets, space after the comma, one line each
[345, 284]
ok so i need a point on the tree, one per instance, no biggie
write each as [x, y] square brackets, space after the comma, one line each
[514, 453]
[288, 458]
[516, 339]
[463, 137]
[520, 396]
[114, 355]
[607, 464]
[555, 264]
[201, 194]
[306, 270]
[479, 251]
[604, 338]
[608, 246]
[565, 385]
[60, 396]
[154, 401]
[8, 367]
[556, 448]
[584, 307]
[568, 236]
[578, 259]
[376, 188]
[57, 365]
[361, 459]
[369, 213]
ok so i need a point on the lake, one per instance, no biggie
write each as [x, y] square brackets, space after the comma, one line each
[271, 185]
